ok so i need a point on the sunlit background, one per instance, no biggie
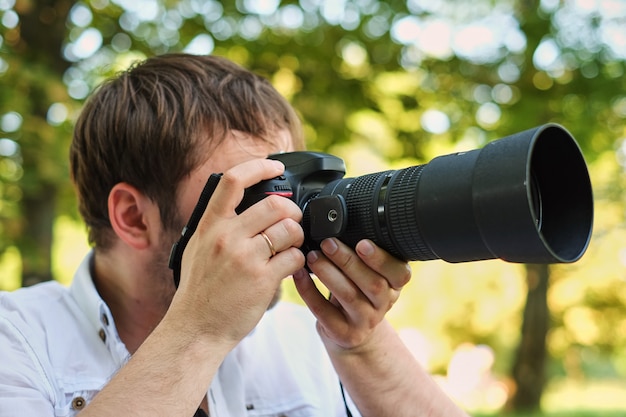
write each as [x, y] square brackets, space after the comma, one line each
[383, 84]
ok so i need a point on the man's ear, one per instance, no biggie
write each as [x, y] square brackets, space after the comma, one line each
[132, 215]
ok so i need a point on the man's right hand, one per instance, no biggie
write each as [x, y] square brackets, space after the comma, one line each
[228, 274]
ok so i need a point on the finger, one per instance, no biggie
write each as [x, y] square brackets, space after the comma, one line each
[365, 285]
[280, 236]
[285, 262]
[396, 272]
[323, 309]
[233, 182]
[342, 287]
[270, 210]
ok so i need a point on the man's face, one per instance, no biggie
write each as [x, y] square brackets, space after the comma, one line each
[235, 149]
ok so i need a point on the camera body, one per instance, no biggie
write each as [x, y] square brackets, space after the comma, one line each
[306, 175]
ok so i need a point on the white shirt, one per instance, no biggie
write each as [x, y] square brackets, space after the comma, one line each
[59, 347]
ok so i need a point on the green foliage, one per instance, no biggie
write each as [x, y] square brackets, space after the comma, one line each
[380, 83]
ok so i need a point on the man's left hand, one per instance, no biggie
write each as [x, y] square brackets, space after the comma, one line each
[364, 284]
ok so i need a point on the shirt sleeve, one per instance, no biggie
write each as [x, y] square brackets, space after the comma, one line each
[25, 388]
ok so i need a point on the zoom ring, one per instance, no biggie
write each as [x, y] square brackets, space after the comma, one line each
[402, 215]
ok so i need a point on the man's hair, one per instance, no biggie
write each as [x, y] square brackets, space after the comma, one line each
[156, 122]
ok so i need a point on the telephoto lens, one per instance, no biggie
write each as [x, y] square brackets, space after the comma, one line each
[525, 198]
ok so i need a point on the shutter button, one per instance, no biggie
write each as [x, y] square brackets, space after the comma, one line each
[78, 403]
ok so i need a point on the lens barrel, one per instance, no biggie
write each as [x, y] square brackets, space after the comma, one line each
[524, 198]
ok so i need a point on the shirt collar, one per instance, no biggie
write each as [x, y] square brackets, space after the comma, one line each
[85, 294]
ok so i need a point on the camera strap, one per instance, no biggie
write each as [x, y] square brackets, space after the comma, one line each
[176, 253]
[345, 401]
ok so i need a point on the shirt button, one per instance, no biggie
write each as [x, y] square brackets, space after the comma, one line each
[105, 319]
[102, 335]
[78, 403]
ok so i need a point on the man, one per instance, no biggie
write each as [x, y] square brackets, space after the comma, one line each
[122, 340]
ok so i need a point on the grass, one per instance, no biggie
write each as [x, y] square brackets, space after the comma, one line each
[586, 413]
[583, 398]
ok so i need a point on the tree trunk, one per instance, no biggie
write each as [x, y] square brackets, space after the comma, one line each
[42, 31]
[36, 239]
[529, 366]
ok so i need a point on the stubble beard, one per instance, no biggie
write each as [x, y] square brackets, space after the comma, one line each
[159, 269]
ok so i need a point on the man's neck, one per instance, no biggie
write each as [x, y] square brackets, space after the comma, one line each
[136, 303]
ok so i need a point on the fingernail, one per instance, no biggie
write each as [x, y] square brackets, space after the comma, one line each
[300, 274]
[329, 246]
[279, 165]
[312, 257]
[366, 248]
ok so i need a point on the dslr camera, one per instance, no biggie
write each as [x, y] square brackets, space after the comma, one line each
[525, 198]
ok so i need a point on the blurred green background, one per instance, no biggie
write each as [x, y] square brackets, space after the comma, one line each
[383, 84]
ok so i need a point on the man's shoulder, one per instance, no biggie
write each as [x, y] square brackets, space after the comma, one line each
[49, 344]
[38, 309]
[39, 298]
